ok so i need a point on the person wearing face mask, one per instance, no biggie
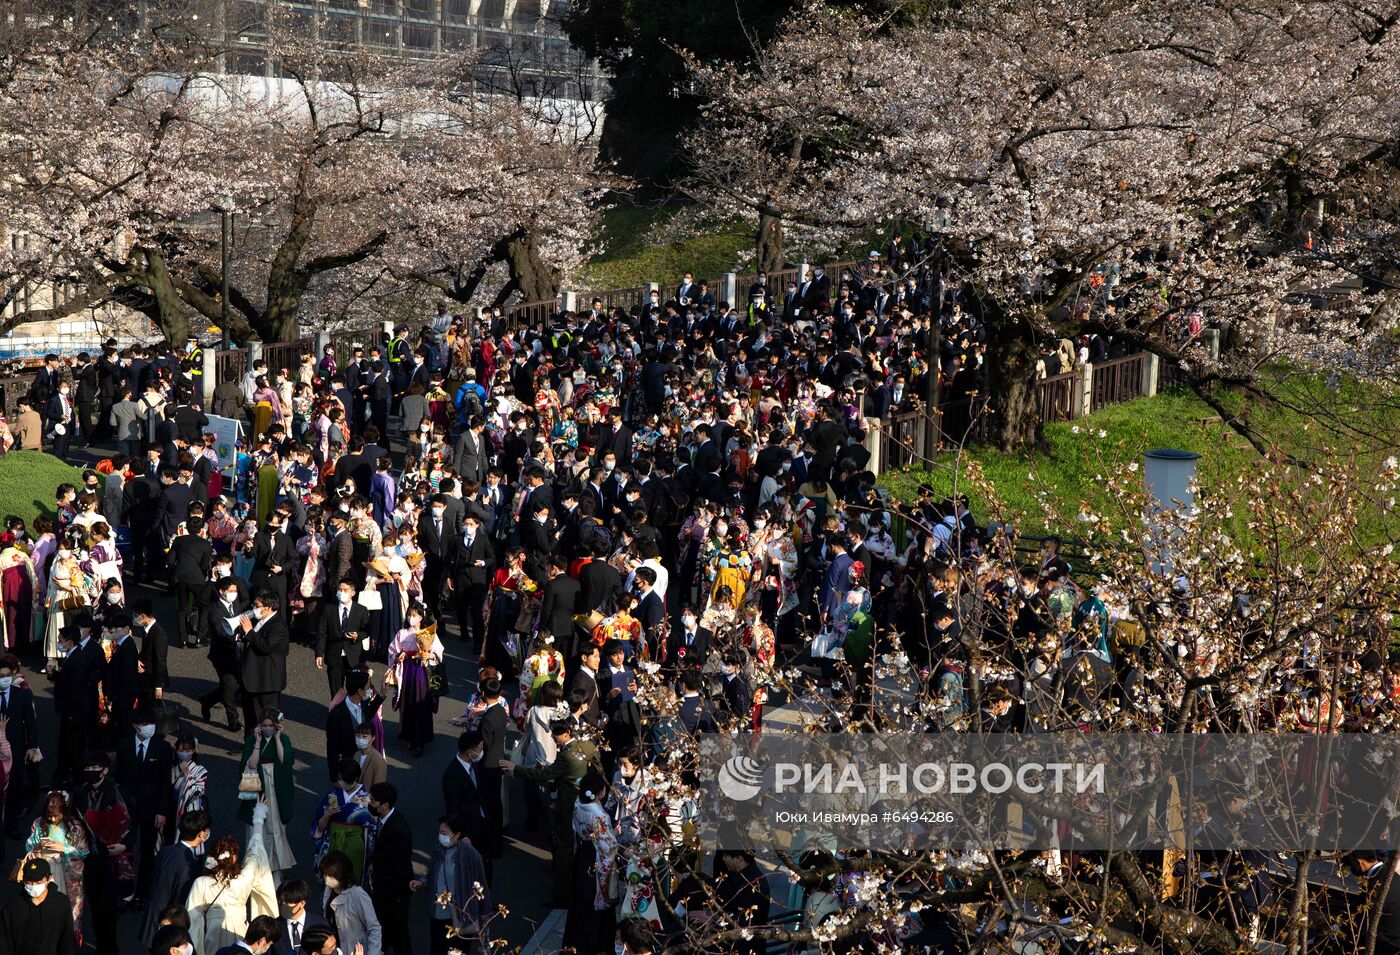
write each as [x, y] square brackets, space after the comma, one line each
[352, 912]
[454, 873]
[172, 940]
[144, 768]
[225, 648]
[264, 667]
[373, 767]
[39, 921]
[298, 919]
[344, 624]
[344, 719]
[108, 812]
[60, 420]
[190, 779]
[175, 869]
[390, 868]
[268, 753]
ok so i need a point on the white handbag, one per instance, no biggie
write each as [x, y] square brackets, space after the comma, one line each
[370, 600]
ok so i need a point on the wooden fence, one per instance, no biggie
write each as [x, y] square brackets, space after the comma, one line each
[1060, 397]
[344, 343]
[1114, 381]
[527, 313]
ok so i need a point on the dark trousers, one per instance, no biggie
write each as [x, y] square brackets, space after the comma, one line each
[226, 693]
[72, 749]
[336, 665]
[561, 829]
[393, 921]
[255, 703]
[191, 609]
[86, 421]
[59, 447]
[146, 833]
[471, 612]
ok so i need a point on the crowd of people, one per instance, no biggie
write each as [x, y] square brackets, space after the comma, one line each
[633, 521]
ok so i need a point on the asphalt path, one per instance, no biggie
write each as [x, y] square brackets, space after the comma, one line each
[521, 880]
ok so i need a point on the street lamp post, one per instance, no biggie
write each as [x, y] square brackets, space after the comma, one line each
[225, 240]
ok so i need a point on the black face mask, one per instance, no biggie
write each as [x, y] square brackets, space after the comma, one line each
[93, 777]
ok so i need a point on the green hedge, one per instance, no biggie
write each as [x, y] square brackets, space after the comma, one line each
[27, 482]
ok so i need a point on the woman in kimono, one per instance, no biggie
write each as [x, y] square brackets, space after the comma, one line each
[60, 837]
[19, 586]
[590, 924]
[545, 664]
[268, 752]
[310, 548]
[366, 540]
[68, 584]
[389, 575]
[220, 901]
[415, 650]
[190, 780]
[502, 610]
[104, 561]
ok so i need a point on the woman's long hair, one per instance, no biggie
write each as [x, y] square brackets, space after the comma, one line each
[222, 859]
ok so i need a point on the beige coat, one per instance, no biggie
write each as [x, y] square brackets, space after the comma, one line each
[29, 429]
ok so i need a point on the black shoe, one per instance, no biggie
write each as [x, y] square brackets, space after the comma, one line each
[418, 751]
[234, 725]
[206, 710]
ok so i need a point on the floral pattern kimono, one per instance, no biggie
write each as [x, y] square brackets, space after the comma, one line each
[66, 866]
[539, 669]
[782, 560]
[19, 586]
[311, 547]
[729, 568]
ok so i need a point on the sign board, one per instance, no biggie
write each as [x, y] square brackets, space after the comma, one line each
[225, 432]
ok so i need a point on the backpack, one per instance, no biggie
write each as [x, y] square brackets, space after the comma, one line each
[468, 403]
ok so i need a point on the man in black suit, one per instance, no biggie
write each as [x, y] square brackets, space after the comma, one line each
[225, 649]
[599, 584]
[618, 684]
[438, 538]
[173, 505]
[338, 639]
[475, 561]
[151, 662]
[356, 466]
[297, 917]
[617, 437]
[22, 730]
[462, 789]
[75, 702]
[343, 719]
[121, 675]
[340, 549]
[471, 451]
[264, 669]
[694, 713]
[260, 938]
[390, 868]
[537, 537]
[493, 737]
[190, 559]
[689, 645]
[140, 512]
[273, 558]
[558, 605]
[175, 870]
[143, 768]
[584, 680]
[738, 696]
[650, 612]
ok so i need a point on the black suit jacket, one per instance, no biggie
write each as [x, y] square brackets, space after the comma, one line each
[270, 551]
[155, 649]
[310, 919]
[119, 678]
[695, 654]
[148, 781]
[599, 584]
[461, 795]
[22, 729]
[391, 865]
[558, 606]
[340, 735]
[738, 701]
[223, 647]
[582, 681]
[265, 657]
[190, 559]
[331, 637]
[75, 685]
[174, 873]
[467, 570]
[172, 507]
[493, 730]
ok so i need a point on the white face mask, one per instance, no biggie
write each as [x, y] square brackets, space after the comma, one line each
[146, 732]
[688, 621]
[187, 948]
[5, 682]
[231, 596]
[438, 512]
[35, 889]
[114, 597]
[609, 465]
[362, 742]
[444, 841]
[222, 571]
[333, 884]
[343, 597]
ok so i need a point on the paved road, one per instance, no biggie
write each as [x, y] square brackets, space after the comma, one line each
[521, 878]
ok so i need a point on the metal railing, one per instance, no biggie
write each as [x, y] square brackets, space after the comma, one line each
[527, 313]
[12, 389]
[1119, 379]
[344, 343]
[1059, 397]
[625, 298]
[230, 363]
[287, 355]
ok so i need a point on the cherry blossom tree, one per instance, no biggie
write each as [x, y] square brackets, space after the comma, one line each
[349, 171]
[1045, 143]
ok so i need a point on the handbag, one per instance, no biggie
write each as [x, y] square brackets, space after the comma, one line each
[370, 600]
[826, 646]
[525, 618]
[437, 679]
[250, 785]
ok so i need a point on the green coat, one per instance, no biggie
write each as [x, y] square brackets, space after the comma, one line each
[859, 639]
[566, 772]
[282, 782]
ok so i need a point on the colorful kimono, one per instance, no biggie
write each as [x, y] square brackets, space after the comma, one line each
[540, 668]
[20, 588]
[66, 866]
[346, 831]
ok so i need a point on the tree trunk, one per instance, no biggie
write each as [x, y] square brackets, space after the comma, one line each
[1013, 424]
[768, 243]
[536, 280]
[169, 310]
